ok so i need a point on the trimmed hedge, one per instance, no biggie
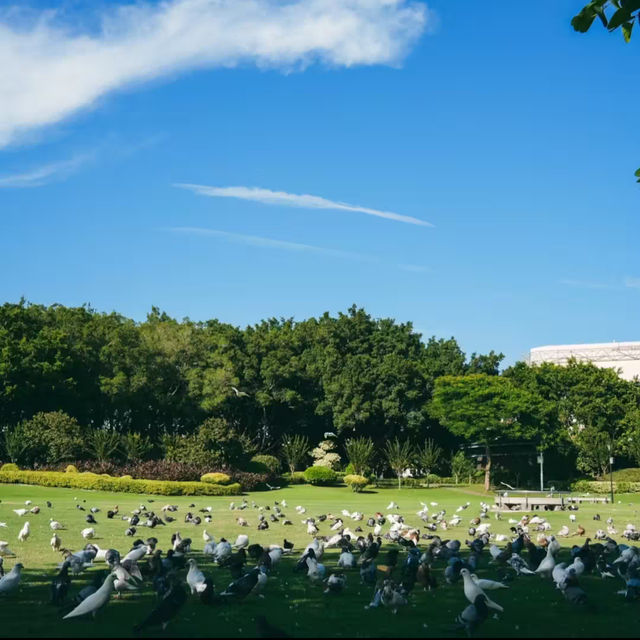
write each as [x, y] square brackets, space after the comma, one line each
[9, 466]
[216, 478]
[356, 482]
[596, 486]
[71, 468]
[88, 480]
[320, 476]
[632, 474]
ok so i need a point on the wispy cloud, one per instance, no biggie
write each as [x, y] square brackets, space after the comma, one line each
[414, 268]
[266, 196]
[44, 174]
[50, 67]
[270, 243]
[588, 284]
[627, 283]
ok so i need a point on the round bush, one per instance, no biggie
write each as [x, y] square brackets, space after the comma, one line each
[631, 474]
[71, 468]
[320, 476]
[126, 478]
[356, 482]
[9, 466]
[216, 478]
[297, 477]
[264, 464]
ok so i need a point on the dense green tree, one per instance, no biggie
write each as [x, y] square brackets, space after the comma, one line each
[484, 409]
[295, 449]
[429, 457]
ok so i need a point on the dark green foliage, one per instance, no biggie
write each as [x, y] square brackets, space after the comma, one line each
[264, 464]
[215, 444]
[50, 437]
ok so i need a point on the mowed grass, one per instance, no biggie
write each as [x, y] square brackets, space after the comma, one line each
[533, 607]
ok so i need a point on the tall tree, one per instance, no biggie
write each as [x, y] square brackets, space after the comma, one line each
[484, 409]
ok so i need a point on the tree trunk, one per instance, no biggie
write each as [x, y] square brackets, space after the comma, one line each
[399, 481]
[487, 469]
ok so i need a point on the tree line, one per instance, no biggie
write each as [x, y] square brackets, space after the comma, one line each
[184, 386]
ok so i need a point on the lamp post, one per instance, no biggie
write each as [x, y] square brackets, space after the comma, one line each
[541, 463]
[611, 468]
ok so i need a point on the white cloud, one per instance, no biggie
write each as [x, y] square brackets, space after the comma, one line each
[43, 174]
[267, 196]
[50, 67]
[269, 243]
[588, 284]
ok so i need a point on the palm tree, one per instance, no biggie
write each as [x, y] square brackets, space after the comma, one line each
[399, 456]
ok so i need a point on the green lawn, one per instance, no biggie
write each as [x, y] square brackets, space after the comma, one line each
[533, 607]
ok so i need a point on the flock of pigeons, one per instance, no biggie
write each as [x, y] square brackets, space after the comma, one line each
[382, 550]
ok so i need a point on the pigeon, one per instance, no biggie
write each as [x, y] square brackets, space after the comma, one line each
[21, 512]
[4, 549]
[55, 542]
[195, 577]
[24, 532]
[172, 601]
[60, 585]
[10, 581]
[88, 533]
[474, 614]
[95, 601]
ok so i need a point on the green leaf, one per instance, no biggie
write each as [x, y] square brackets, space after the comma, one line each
[620, 17]
[626, 30]
[637, 174]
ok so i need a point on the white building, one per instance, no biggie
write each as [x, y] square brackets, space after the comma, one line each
[615, 355]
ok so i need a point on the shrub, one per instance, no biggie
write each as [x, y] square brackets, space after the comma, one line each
[356, 482]
[103, 444]
[135, 447]
[93, 481]
[215, 444]
[594, 486]
[627, 475]
[51, 436]
[320, 476]
[71, 468]
[264, 464]
[9, 466]
[297, 477]
[216, 478]
[325, 455]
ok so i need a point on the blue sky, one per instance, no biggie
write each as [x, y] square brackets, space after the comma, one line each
[513, 136]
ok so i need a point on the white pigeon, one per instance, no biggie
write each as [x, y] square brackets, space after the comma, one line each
[275, 554]
[210, 548]
[3, 524]
[242, 541]
[21, 512]
[10, 581]
[95, 601]
[222, 551]
[433, 504]
[24, 532]
[27, 502]
[488, 585]
[195, 577]
[88, 533]
[55, 542]
[559, 574]
[137, 553]
[283, 503]
[55, 525]
[206, 537]
[564, 531]
[312, 529]
[545, 568]
[392, 505]
[347, 560]
[472, 591]
[4, 549]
